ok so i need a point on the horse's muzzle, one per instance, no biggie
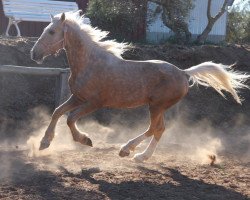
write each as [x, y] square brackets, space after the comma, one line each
[36, 56]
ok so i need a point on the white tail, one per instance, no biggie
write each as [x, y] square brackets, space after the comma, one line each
[218, 76]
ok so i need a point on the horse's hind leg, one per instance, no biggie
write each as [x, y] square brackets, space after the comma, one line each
[157, 127]
[74, 115]
[131, 144]
[68, 105]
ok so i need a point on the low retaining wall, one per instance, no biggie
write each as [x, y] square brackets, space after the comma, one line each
[12, 72]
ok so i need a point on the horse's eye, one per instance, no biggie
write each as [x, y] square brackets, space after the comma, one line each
[51, 32]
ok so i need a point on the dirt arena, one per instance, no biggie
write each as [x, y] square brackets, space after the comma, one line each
[203, 124]
[99, 173]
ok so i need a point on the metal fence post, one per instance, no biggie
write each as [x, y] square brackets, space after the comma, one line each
[62, 88]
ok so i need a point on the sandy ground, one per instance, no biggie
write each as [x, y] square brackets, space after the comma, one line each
[99, 173]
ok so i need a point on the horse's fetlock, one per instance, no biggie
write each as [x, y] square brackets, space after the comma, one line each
[70, 121]
[75, 137]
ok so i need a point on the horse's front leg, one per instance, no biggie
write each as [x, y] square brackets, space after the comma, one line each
[74, 115]
[68, 105]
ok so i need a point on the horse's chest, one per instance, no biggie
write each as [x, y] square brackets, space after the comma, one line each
[82, 87]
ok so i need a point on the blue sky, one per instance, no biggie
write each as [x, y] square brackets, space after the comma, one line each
[242, 3]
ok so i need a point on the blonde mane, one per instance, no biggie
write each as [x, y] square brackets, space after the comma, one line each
[96, 35]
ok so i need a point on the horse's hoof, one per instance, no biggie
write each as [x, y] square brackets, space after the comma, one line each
[139, 158]
[44, 144]
[84, 140]
[88, 142]
[123, 153]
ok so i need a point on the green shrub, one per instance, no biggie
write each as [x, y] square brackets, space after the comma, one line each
[121, 18]
[238, 26]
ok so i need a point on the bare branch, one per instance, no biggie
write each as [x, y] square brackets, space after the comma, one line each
[209, 9]
[222, 11]
[211, 20]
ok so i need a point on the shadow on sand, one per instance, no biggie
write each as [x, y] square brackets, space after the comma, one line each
[185, 188]
[20, 179]
[95, 184]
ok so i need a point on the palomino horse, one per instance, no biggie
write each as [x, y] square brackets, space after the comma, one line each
[101, 78]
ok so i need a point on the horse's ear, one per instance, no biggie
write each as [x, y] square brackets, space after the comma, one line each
[51, 17]
[63, 17]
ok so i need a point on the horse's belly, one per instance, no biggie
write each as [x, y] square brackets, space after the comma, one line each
[113, 95]
[126, 104]
[126, 99]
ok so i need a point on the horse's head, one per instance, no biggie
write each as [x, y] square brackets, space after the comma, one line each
[51, 40]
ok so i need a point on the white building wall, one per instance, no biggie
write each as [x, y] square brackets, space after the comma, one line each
[197, 20]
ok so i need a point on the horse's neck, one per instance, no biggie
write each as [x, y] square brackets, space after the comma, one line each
[82, 52]
[76, 52]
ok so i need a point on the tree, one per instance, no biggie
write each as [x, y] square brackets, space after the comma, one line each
[121, 18]
[238, 25]
[174, 15]
[211, 20]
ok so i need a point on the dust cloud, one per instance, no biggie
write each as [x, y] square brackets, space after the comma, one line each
[196, 142]
[184, 141]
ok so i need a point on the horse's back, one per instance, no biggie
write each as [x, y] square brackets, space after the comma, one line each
[162, 80]
[157, 70]
[173, 81]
